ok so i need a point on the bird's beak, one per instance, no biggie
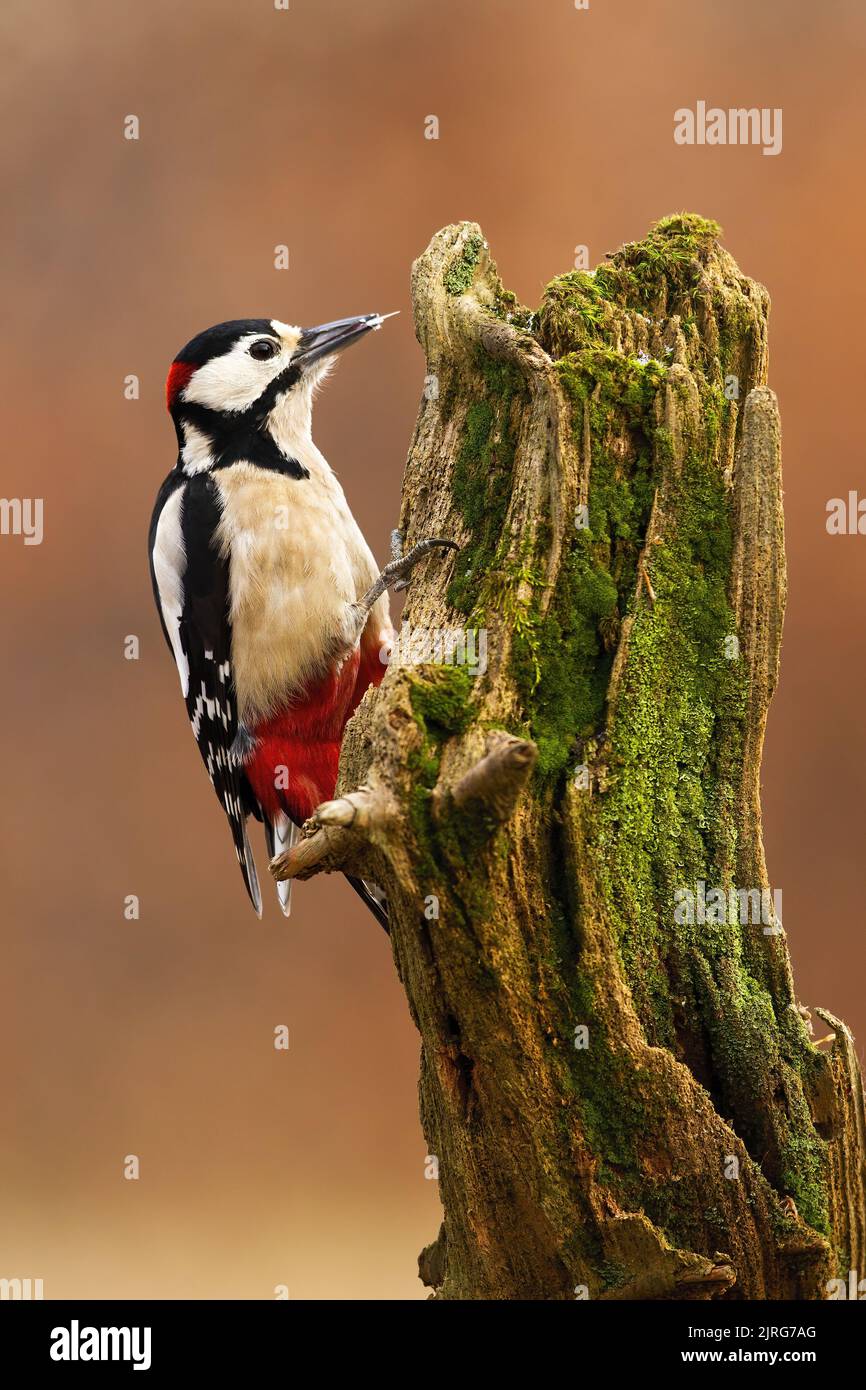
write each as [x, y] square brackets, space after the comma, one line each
[329, 338]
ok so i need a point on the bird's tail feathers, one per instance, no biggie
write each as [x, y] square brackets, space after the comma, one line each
[248, 869]
[280, 834]
[373, 896]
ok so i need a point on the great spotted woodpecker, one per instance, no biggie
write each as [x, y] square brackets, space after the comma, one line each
[268, 594]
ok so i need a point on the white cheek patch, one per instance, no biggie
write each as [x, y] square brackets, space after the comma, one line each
[235, 380]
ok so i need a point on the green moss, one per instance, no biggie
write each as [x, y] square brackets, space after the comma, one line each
[563, 655]
[440, 700]
[482, 480]
[667, 266]
[572, 313]
[612, 1276]
[509, 309]
[804, 1174]
[439, 697]
[559, 663]
[700, 232]
[664, 823]
[659, 274]
[423, 768]
[458, 277]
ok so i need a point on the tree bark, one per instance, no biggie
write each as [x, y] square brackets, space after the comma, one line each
[617, 1080]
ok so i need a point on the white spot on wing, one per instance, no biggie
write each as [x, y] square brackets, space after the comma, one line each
[169, 567]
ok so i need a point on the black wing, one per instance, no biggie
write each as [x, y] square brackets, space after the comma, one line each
[191, 587]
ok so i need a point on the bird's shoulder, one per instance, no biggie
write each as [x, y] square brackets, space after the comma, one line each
[170, 485]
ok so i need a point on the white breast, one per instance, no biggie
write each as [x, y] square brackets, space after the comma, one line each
[297, 561]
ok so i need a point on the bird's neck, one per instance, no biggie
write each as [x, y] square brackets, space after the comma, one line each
[208, 440]
[290, 423]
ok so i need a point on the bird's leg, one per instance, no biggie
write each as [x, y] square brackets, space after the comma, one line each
[399, 568]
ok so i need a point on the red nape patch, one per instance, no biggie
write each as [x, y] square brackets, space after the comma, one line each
[179, 374]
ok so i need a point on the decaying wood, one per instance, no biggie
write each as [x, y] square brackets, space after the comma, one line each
[496, 781]
[622, 1103]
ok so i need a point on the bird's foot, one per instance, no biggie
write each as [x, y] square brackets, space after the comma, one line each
[396, 572]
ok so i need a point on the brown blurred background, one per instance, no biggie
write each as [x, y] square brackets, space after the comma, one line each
[305, 127]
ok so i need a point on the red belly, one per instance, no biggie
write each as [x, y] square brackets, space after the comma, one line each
[294, 766]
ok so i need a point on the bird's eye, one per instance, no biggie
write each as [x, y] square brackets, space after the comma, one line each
[262, 349]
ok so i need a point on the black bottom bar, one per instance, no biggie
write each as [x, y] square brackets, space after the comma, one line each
[163, 1338]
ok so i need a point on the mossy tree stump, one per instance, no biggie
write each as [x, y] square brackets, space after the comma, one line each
[623, 1099]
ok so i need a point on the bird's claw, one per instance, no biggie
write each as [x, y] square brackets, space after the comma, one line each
[401, 566]
[396, 572]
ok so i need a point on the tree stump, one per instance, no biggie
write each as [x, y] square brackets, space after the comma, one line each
[617, 1079]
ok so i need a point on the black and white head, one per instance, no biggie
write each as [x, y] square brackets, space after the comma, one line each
[244, 388]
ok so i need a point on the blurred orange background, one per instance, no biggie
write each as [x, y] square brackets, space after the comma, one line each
[305, 127]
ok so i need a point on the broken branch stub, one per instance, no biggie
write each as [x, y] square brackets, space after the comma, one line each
[331, 838]
[496, 780]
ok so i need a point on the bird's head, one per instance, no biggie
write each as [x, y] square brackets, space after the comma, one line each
[248, 379]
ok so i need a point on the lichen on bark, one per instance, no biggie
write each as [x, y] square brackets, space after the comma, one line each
[610, 466]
